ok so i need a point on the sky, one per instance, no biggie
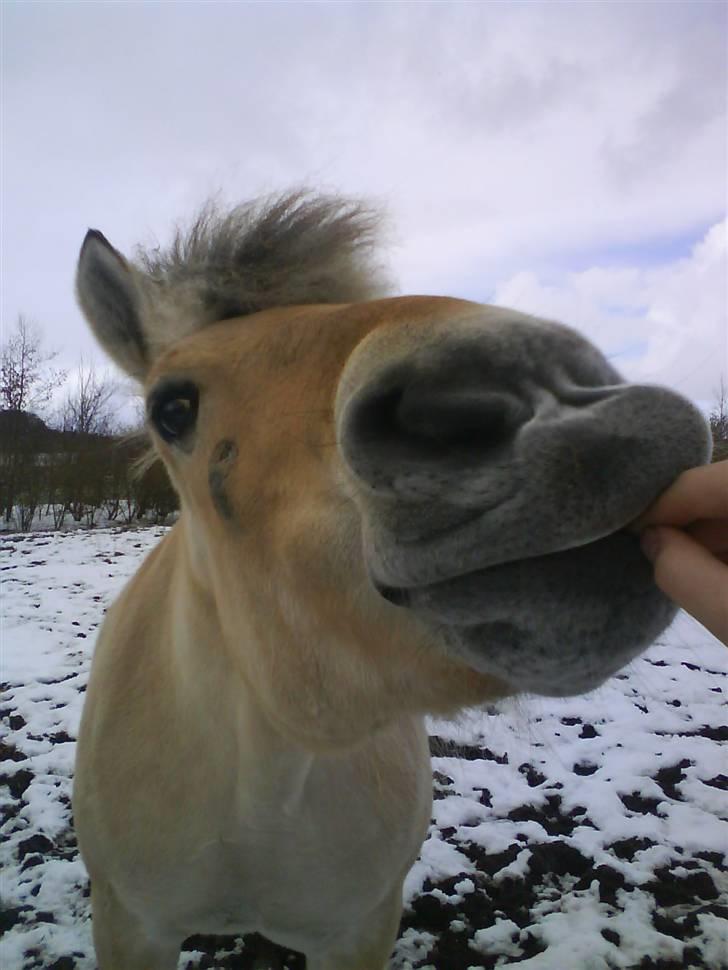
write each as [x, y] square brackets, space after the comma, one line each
[564, 158]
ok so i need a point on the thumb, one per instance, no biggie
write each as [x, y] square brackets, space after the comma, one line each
[690, 576]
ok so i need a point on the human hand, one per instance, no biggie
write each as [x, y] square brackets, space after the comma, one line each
[685, 535]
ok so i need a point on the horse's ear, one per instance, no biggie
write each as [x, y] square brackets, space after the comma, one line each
[110, 294]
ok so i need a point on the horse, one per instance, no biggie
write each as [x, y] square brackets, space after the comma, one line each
[390, 506]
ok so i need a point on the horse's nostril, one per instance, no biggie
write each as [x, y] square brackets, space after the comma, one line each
[393, 594]
[460, 415]
[436, 417]
[376, 414]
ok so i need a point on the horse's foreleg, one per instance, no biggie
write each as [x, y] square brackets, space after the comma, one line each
[368, 946]
[121, 942]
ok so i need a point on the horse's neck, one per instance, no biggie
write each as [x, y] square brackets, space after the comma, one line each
[214, 695]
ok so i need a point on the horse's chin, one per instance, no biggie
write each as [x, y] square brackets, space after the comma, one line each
[555, 625]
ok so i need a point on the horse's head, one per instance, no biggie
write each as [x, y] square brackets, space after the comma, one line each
[412, 503]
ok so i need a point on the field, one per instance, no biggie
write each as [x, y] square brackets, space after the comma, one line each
[583, 834]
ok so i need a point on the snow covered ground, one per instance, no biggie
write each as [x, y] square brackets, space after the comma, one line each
[582, 834]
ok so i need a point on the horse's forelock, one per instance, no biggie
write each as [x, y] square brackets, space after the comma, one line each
[284, 250]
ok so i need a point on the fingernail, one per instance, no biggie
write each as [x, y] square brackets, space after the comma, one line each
[651, 540]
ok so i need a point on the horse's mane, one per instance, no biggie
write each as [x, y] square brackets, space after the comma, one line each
[282, 250]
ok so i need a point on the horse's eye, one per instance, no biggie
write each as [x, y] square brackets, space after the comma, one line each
[173, 409]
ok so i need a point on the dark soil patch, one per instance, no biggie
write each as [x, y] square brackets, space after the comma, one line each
[18, 782]
[8, 752]
[627, 848]
[550, 816]
[35, 844]
[218, 955]
[639, 804]
[670, 889]
[533, 775]
[444, 748]
[669, 777]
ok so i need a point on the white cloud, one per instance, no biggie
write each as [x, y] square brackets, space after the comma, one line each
[665, 324]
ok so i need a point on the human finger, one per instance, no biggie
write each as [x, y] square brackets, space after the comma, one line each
[690, 575]
[700, 493]
[711, 533]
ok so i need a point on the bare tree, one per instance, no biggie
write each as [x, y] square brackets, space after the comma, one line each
[87, 421]
[87, 408]
[27, 382]
[719, 423]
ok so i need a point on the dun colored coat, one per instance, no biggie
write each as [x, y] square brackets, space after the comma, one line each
[389, 507]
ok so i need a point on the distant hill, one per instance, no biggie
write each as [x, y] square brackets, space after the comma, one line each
[30, 431]
[12, 422]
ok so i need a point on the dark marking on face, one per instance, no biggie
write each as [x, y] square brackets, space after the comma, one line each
[223, 458]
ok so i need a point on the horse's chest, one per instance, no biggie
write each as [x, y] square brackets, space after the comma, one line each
[295, 848]
[299, 877]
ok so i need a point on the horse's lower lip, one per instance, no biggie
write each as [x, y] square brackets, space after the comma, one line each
[402, 595]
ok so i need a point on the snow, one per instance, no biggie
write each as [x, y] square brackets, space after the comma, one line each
[603, 819]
